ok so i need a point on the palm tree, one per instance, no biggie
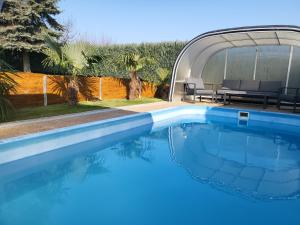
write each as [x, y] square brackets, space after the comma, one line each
[164, 75]
[67, 59]
[7, 85]
[135, 63]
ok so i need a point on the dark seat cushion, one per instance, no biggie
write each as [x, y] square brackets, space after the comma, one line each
[270, 86]
[268, 93]
[249, 85]
[200, 92]
[232, 92]
[258, 93]
[290, 98]
[204, 92]
[289, 95]
[231, 85]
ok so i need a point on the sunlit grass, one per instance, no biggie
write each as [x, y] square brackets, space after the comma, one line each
[61, 109]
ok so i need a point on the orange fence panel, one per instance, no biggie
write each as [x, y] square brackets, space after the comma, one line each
[30, 89]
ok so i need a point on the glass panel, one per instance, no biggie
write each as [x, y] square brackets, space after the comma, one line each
[294, 80]
[213, 71]
[240, 64]
[272, 62]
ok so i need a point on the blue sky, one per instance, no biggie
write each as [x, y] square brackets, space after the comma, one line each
[135, 21]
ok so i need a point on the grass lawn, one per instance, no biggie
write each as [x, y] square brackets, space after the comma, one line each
[60, 109]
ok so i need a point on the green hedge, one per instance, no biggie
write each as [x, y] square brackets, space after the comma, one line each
[164, 54]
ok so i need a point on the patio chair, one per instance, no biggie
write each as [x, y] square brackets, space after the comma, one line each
[292, 96]
[196, 88]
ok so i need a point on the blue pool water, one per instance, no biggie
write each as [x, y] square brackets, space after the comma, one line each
[188, 172]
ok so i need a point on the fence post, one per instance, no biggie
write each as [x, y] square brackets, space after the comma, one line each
[100, 88]
[45, 90]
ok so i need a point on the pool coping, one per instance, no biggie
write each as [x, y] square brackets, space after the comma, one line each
[15, 148]
[83, 125]
[25, 127]
[71, 115]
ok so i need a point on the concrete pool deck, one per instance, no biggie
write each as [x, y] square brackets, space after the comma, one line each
[19, 128]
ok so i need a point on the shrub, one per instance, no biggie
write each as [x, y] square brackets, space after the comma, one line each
[164, 54]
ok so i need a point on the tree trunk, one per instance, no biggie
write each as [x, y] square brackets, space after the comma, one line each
[73, 92]
[140, 88]
[133, 86]
[26, 61]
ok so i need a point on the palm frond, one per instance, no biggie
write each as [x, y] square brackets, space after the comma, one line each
[135, 62]
[7, 86]
[6, 109]
[163, 74]
[56, 59]
[54, 46]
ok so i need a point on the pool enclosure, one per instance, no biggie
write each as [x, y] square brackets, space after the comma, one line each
[265, 53]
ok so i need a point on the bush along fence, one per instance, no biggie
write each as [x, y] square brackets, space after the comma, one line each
[36, 89]
[164, 53]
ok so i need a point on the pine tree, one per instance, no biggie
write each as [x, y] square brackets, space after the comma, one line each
[25, 23]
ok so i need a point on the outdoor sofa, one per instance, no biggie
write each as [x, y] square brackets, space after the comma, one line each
[257, 89]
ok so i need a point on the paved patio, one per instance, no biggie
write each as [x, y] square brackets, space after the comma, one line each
[14, 129]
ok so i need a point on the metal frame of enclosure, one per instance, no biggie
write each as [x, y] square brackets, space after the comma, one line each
[245, 53]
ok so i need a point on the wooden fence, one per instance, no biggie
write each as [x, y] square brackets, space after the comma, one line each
[36, 89]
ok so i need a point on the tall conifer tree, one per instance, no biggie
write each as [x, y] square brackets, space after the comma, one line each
[24, 24]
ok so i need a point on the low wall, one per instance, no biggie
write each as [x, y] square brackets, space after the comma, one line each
[36, 89]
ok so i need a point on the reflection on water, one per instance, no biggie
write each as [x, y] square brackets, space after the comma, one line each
[257, 163]
[52, 177]
[34, 193]
[138, 148]
[45, 187]
[130, 170]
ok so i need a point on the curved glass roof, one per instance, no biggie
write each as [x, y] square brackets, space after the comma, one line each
[194, 56]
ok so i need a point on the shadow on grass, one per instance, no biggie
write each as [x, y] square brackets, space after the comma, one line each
[52, 110]
[63, 109]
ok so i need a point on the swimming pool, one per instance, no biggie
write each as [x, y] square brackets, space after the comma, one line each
[188, 165]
